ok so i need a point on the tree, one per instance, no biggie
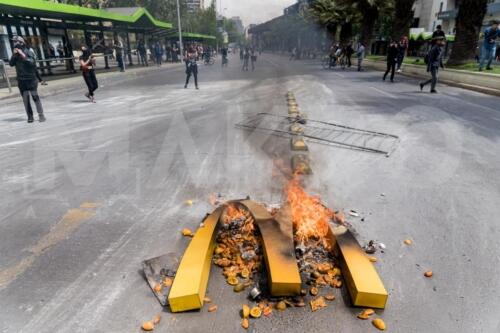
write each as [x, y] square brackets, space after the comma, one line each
[469, 21]
[370, 11]
[327, 15]
[403, 17]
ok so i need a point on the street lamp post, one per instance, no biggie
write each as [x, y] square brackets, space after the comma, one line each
[181, 48]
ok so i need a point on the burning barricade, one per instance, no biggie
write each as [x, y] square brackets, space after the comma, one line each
[288, 257]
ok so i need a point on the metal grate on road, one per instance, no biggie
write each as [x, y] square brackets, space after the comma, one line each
[323, 133]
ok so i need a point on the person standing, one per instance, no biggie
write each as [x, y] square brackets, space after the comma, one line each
[348, 53]
[118, 46]
[141, 48]
[361, 56]
[24, 60]
[402, 47]
[438, 34]
[60, 50]
[87, 64]
[253, 58]
[489, 46]
[191, 66]
[246, 58]
[158, 53]
[392, 58]
[224, 57]
[434, 61]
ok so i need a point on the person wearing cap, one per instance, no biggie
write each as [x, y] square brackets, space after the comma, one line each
[24, 59]
[489, 45]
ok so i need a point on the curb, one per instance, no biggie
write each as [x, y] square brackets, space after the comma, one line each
[75, 82]
[486, 90]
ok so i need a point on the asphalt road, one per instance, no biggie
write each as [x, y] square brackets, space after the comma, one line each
[88, 195]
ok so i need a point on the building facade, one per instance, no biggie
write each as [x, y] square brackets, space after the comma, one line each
[194, 5]
[431, 13]
[238, 24]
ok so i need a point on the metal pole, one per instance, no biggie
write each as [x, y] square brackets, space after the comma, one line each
[181, 48]
[5, 75]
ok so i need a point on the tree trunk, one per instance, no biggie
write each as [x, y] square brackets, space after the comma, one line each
[332, 31]
[468, 24]
[403, 17]
[370, 16]
[346, 33]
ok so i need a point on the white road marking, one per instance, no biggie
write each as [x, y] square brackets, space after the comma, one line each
[385, 93]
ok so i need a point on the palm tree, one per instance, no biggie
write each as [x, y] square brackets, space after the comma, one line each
[468, 25]
[370, 11]
[331, 14]
[403, 17]
[326, 14]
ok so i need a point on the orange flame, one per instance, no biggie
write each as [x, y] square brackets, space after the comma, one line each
[233, 212]
[309, 216]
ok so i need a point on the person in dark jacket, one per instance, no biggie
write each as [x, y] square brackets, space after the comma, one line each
[141, 49]
[434, 61]
[24, 60]
[87, 63]
[438, 34]
[392, 59]
[349, 52]
[191, 67]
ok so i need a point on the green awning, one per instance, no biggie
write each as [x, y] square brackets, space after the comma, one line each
[193, 35]
[47, 9]
[426, 36]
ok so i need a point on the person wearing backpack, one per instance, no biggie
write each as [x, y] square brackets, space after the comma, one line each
[434, 60]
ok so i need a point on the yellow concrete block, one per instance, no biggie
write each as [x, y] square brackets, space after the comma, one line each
[296, 128]
[300, 164]
[190, 283]
[363, 282]
[279, 252]
[298, 143]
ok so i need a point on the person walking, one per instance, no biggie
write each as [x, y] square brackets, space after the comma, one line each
[489, 46]
[402, 47]
[392, 58]
[361, 56]
[118, 46]
[191, 66]
[434, 60]
[87, 64]
[25, 62]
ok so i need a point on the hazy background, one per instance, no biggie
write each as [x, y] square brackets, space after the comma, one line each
[253, 11]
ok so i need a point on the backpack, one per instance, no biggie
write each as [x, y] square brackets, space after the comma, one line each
[426, 58]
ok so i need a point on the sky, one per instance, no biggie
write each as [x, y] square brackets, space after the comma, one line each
[253, 11]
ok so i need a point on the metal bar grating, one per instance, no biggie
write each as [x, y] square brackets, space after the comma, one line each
[323, 133]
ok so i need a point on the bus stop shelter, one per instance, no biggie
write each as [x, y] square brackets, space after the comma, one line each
[54, 30]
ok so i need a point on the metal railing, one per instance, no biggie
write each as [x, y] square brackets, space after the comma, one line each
[4, 75]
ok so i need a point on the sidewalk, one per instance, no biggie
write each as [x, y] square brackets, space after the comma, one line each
[483, 82]
[75, 81]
